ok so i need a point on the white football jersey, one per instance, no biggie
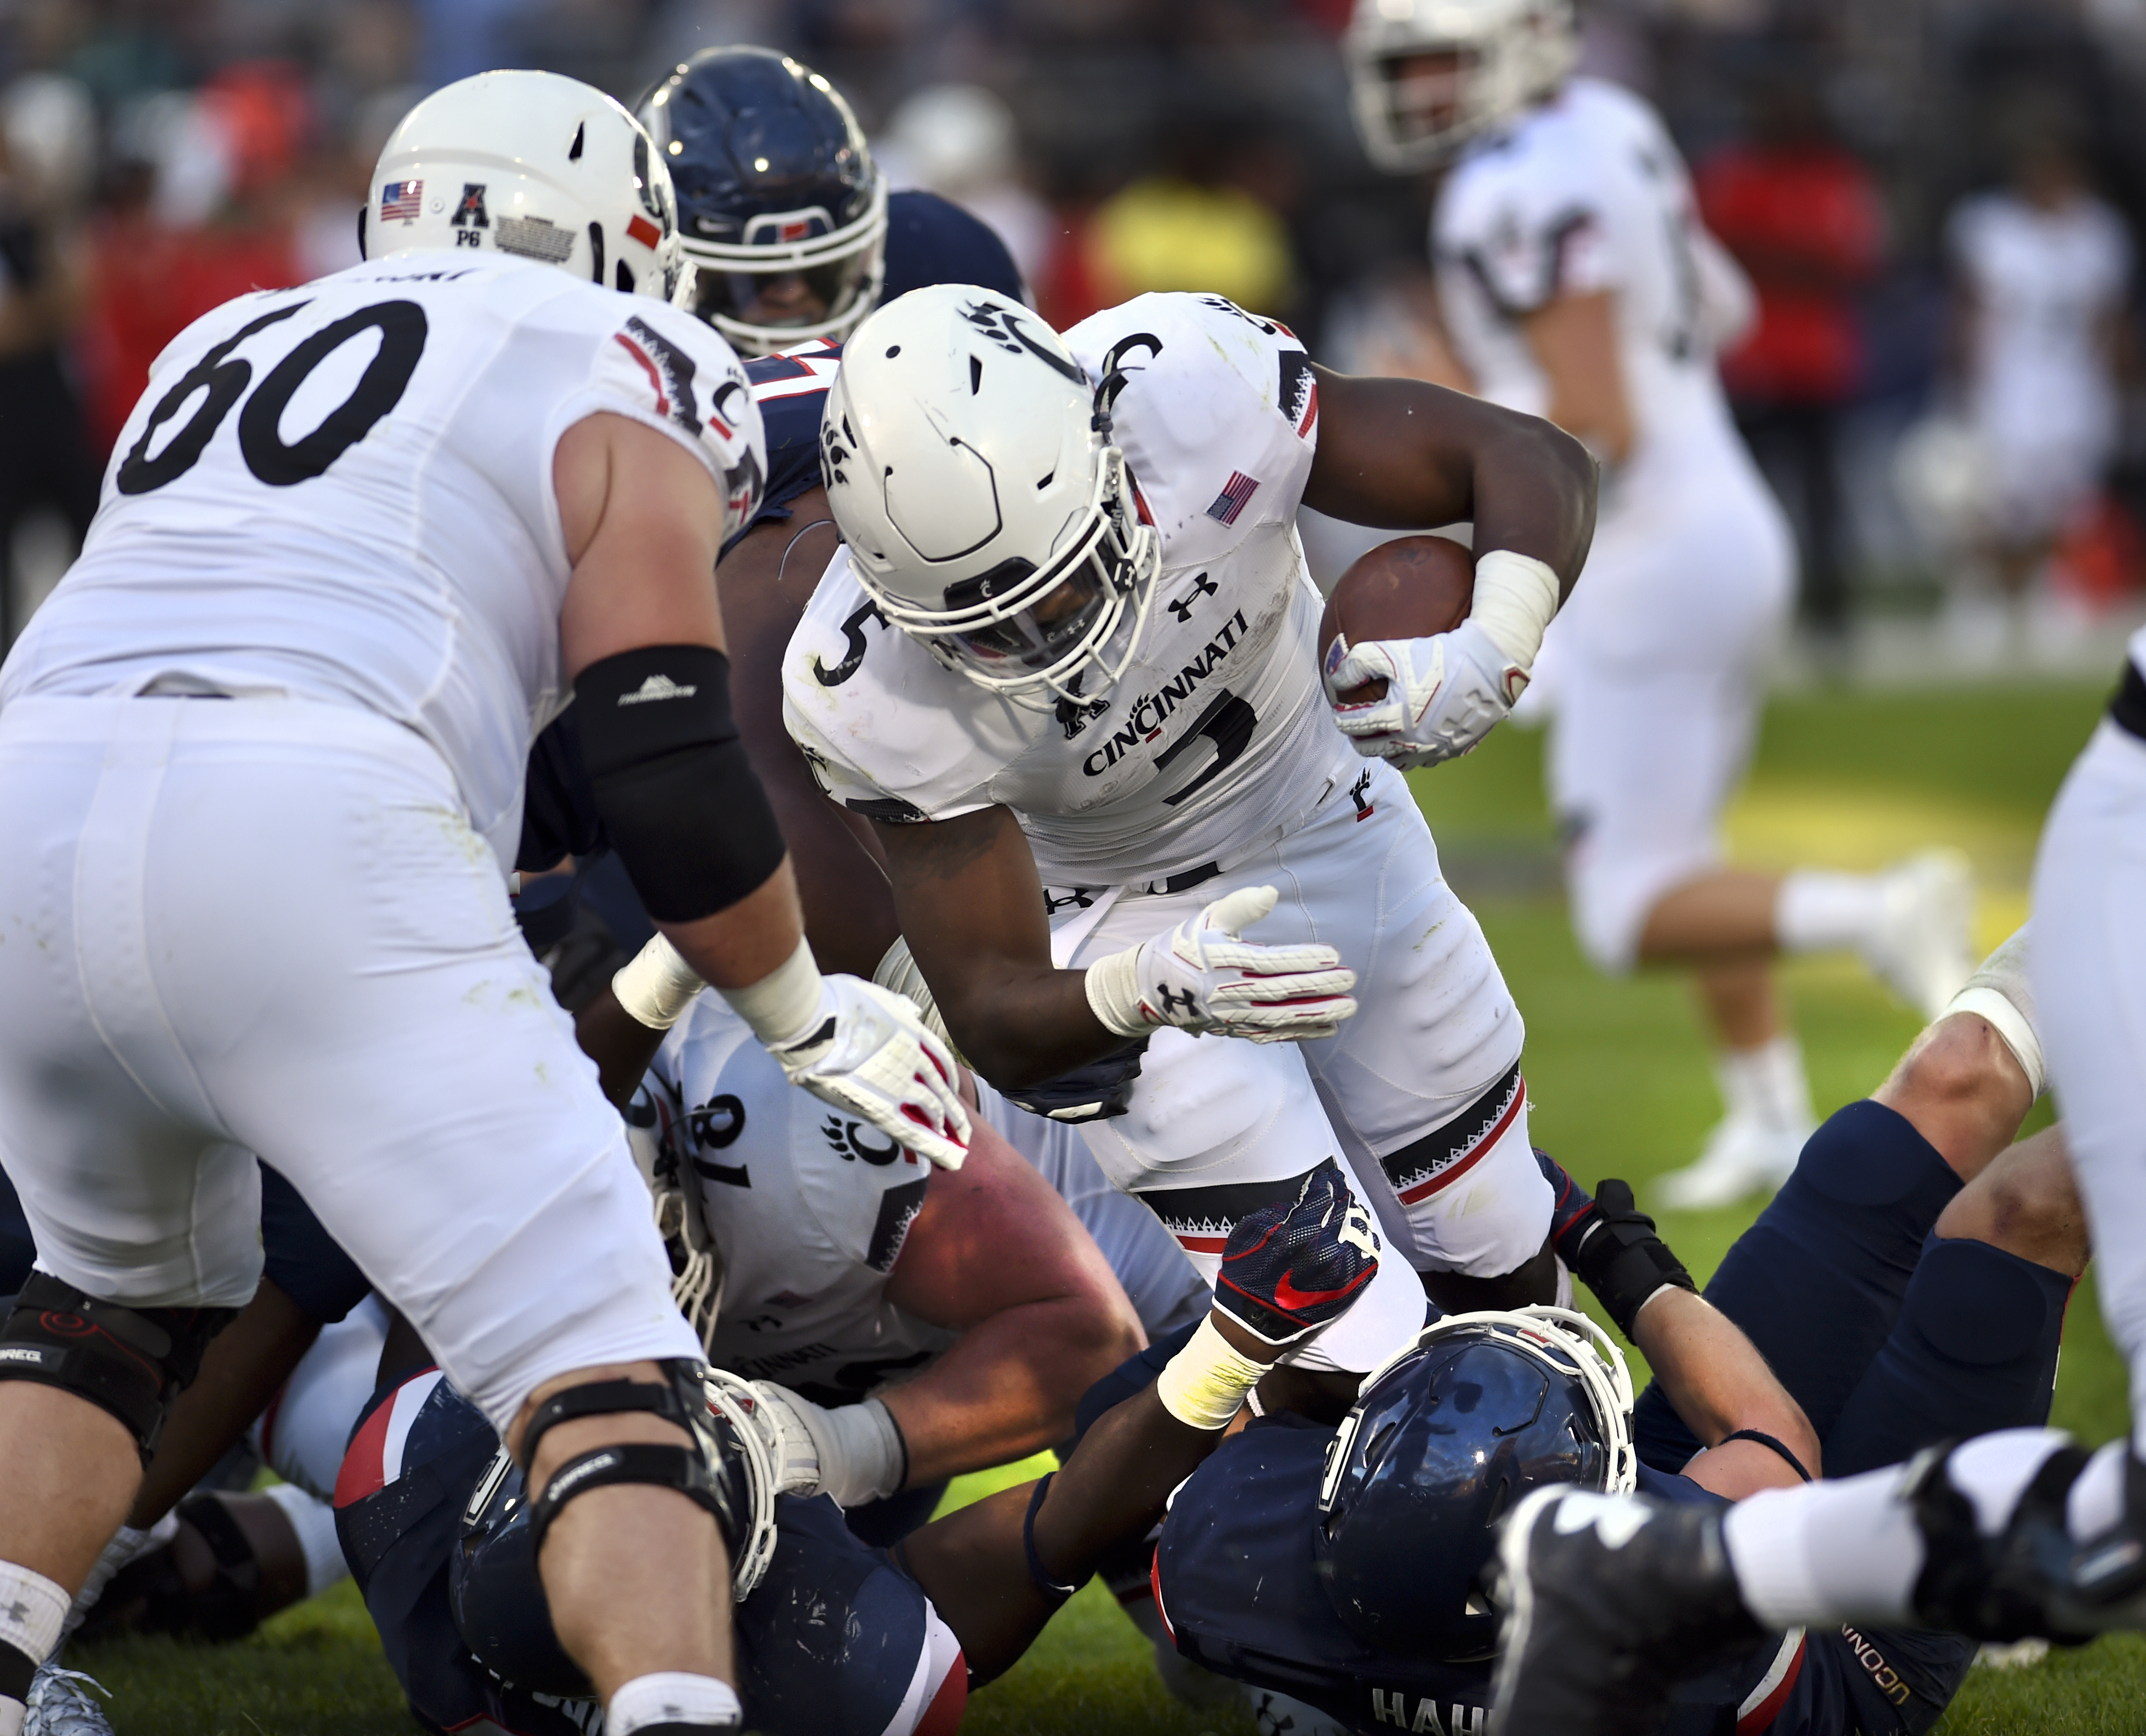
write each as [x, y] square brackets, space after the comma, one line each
[1586, 193]
[343, 492]
[809, 1208]
[2046, 285]
[1218, 732]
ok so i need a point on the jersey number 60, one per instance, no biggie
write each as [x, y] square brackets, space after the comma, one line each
[402, 328]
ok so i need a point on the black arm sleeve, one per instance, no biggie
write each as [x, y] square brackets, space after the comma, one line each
[681, 801]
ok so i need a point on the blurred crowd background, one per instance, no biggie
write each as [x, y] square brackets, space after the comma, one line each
[1936, 201]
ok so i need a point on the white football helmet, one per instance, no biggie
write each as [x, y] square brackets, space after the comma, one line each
[533, 164]
[1427, 75]
[985, 511]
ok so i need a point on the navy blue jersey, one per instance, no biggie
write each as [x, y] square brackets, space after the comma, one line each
[834, 1638]
[929, 240]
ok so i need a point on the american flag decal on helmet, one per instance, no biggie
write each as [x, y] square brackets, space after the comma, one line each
[401, 200]
[1236, 494]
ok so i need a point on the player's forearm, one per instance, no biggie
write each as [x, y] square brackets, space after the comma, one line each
[1714, 1377]
[1023, 1027]
[1008, 1387]
[747, 941]
[620, 1045]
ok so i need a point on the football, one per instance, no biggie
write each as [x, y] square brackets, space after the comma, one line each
[1409, 588]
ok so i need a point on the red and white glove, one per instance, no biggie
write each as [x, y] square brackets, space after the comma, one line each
[864, 1049]
[1445, 693]
[1201, 977]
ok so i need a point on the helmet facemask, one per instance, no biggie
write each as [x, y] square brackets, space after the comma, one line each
[842, 270]
[1068, 628]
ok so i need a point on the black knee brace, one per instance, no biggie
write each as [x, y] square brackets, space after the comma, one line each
[133, 1362]
[724, 1470]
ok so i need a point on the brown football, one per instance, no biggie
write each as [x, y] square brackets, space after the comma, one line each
[1409, 588]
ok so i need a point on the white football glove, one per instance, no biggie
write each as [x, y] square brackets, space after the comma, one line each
[1201, 977]
[866, 1051]
[855, 1454]
[1443, 695]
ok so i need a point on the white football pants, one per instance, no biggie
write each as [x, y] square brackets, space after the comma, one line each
[241, 925]
[1653, 675]
[2087, 958]
[1215, 1122]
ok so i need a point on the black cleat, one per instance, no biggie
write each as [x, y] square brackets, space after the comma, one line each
[1610, 1600]
[2032, 1581]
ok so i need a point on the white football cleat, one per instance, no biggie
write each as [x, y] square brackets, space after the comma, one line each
[1923, 949]
[1742, 1156]
[60, 1703]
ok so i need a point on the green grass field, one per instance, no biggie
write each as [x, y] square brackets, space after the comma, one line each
[1619, 1079]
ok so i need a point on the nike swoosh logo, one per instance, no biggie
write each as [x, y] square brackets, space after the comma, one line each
[1287, 1295]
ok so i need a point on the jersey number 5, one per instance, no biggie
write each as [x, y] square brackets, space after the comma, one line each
[402, 328]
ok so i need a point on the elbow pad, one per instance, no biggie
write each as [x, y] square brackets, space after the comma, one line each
[680, 801]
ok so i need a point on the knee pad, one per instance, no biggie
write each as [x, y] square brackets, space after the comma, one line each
[1974, 1351]
[726, 1469]
[131, 1362]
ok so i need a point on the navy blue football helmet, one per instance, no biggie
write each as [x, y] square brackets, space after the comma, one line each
[781, 210]
[1446, 1438]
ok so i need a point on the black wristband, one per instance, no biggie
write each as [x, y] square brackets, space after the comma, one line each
[1620, 1258]
[1050, 1589]
[1767, 1440]
[678, 797]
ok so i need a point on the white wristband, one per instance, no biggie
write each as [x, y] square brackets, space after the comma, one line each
[783, 1003]
[1203, 1385]
[1515, 597]
[1114, 995]
[655, 986]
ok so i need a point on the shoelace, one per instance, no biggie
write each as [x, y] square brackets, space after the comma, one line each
[60, 1704]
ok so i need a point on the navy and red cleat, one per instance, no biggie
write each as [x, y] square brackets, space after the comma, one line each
[1289, 1268]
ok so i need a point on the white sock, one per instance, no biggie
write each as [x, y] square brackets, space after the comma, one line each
[671, 1696]
[1821, 911]
[314, 1521]
[2096, 1501]
[1839, 1550]
[1767, 1085]
[32, 1610]
[1849, 1550]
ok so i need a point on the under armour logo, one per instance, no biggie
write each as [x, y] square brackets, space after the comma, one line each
[1172, 1004]
[1182, 609]
[1616, 1518]
[1076, 898]
[19, 1613]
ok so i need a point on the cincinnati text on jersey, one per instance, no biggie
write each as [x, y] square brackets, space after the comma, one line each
[1145, 718]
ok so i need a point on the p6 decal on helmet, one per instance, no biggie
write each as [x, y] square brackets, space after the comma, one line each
[986, 513]
[783, 212]
[1427, 75]
[530, 164]
[1415, 1481]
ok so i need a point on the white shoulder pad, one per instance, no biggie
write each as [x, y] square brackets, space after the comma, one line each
[1522, 215]
[1218, 416]
[889, 732]
[667, 370]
